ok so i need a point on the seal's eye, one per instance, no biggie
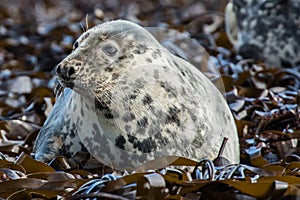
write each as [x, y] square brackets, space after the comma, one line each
[76, 44]
[110, 50]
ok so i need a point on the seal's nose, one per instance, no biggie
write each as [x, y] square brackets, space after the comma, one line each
[64, 71]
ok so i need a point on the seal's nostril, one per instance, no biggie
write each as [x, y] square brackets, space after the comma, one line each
[58, 69]
[64, 71]
[71, 71]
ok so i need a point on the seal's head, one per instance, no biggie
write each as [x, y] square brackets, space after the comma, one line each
[102, 54]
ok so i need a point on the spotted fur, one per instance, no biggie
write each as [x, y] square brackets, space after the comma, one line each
[267, 30]
[132, 100]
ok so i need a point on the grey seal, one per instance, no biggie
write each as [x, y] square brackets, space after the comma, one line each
[265, 30]
[127, 100]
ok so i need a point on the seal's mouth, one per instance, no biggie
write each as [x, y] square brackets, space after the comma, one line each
[66, 83]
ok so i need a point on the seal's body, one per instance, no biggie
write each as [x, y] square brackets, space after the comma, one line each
[132, 101]
[265, 30]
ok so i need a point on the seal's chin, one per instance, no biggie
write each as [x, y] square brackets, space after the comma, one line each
[79, 89]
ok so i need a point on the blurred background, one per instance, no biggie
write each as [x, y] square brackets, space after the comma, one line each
[40, 33]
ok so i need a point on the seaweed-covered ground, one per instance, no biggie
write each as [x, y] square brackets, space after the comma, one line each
[37, 35]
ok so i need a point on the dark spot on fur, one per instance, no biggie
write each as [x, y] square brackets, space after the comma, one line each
[141, 49]
[120, 141]
[131, 138]
[182, 72]
[285, 63]
[99, 105]
[162, 140]
[108, 69]
[165, 68]
[173, 116]
[81, 111]
[156, 54]
[114, 76]
[147, 99]
[165, 86]
[109, 115]
[127, 117]
[127, 128]
[146, 145]
[95, 128]
[139, 83]
[143, 122]
[132, 96]
[122, 57]
[176, 64]
[72, 134]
